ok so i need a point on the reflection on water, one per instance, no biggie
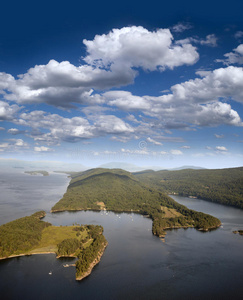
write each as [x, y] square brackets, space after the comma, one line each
[137, 265]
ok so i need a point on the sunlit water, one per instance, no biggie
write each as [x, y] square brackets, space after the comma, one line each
[136, 265]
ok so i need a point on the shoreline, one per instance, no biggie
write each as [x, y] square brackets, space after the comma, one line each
[93, 264]
[146, 216]
[26, 254]
[99, 210]
[78, 278]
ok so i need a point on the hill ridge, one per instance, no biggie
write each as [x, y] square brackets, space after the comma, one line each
[119, 190]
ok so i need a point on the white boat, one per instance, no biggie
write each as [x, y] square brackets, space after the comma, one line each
[50, 273]
[69, 265]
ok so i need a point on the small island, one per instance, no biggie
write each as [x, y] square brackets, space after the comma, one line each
[240, 232]
[29, 235]
[41, 172]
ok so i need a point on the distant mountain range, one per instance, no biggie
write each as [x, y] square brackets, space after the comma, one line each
[77, 167]
[187, 167]
[134, 168]
[121, 165]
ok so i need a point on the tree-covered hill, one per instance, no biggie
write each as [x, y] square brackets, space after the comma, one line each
[118, 190]
[223, 186]
[21, 235]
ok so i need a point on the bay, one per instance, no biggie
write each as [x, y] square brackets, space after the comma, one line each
[188, 264]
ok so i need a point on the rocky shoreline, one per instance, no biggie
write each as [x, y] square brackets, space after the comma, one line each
[93, 264]
[79, 278]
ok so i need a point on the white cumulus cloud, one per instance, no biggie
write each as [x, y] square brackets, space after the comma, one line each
[150, 140]
[185, 147]
[52, 128]
[42, 149]
[238, 35]
[176, 152]
[8, 112]
[211, 41]
[110, 124]
[137, 47]
[13, 145]
[15, 131]
[192, 103]
[235, 57]
[180, 27]
[110, 62]
[221, 148]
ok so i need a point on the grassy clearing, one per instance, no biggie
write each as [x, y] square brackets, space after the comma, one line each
[53, 235]
[170, 212]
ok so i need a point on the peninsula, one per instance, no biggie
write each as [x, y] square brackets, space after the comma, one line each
[30, 235]
[119, 190]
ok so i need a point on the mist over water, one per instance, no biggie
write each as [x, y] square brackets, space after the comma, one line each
[136, 265]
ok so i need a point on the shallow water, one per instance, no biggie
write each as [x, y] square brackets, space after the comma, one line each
[137, 265]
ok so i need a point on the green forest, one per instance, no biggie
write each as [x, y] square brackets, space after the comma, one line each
[28, 235]
[21, 235]
[87, 250]
[118, 190]
[88, 255]
[224, 186]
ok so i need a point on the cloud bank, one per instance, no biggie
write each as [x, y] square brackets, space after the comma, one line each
[113, 60]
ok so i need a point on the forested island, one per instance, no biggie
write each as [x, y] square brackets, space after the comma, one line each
[41, 172]
[224, 186]
[121, 191]
[30, 235]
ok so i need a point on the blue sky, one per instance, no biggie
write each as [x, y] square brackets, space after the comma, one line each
[154, 84]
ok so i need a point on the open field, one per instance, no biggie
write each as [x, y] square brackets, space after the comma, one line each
[53, 235]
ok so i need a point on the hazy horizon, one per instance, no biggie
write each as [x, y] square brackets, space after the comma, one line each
[32, 165]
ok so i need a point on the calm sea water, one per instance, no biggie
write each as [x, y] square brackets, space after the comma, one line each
[136, 265]
[23, 194]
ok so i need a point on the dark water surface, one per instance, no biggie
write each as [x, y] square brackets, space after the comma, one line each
[136, 265]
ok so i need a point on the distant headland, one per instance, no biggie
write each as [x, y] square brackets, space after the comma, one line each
[44, 173]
